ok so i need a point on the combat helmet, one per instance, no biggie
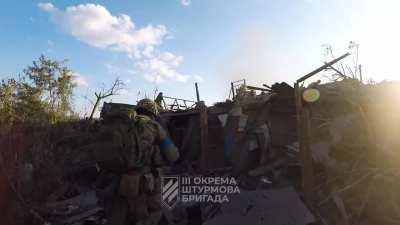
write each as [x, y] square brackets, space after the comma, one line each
[146, 106]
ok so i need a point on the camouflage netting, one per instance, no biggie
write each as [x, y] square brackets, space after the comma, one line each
[355, 146]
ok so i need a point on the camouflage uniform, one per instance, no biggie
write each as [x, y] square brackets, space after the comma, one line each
[141, 184]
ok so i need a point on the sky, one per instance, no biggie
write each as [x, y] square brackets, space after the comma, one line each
[168, 45]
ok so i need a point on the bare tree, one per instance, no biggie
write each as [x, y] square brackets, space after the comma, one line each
[113, 90]
[347, 70]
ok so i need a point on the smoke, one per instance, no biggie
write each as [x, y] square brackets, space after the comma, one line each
[254, 56]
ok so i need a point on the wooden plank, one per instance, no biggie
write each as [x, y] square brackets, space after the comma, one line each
[232, 90]
[303, 130]
[312, 73]
[257, 88]
[197, 92]
[305, 152]
[203, 136]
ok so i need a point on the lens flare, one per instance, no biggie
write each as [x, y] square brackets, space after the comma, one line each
[311, 95]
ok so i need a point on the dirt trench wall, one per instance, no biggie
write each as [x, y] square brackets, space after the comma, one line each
[12, 142]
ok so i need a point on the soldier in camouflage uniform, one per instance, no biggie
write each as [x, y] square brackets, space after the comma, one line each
[141, 185]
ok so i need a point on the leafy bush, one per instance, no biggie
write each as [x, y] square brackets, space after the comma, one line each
[42, 94]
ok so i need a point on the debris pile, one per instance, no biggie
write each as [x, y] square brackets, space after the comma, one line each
[353, 143]
[276, 206]
[332, 145]
[245, 138]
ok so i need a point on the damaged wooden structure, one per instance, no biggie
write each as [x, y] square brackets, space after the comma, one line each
[282, 143]
[222, 135]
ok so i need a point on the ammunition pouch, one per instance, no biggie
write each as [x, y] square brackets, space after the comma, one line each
[130, 185]
[134, 184]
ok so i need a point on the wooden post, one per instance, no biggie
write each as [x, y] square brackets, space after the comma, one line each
[304, 135]
[303, 131]
[232, 90]
[197, 92]
[203, 136]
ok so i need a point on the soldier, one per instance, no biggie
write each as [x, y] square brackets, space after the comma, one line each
[141, 186]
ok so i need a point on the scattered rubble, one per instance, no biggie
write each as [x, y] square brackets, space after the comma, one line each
[276, 206]
[334, 150]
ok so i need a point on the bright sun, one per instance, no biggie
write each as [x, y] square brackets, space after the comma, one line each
[375, 26]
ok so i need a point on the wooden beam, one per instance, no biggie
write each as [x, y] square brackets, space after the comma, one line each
[303, 131]
[257, 88]
[232, 90]
[319, 69]
[197, 92]
[266, 86]
[203, 136]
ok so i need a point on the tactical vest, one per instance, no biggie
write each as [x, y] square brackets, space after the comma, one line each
[126, 142]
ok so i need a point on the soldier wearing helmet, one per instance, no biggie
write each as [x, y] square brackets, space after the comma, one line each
[148, 107]
[148, 112]
[143, 189]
